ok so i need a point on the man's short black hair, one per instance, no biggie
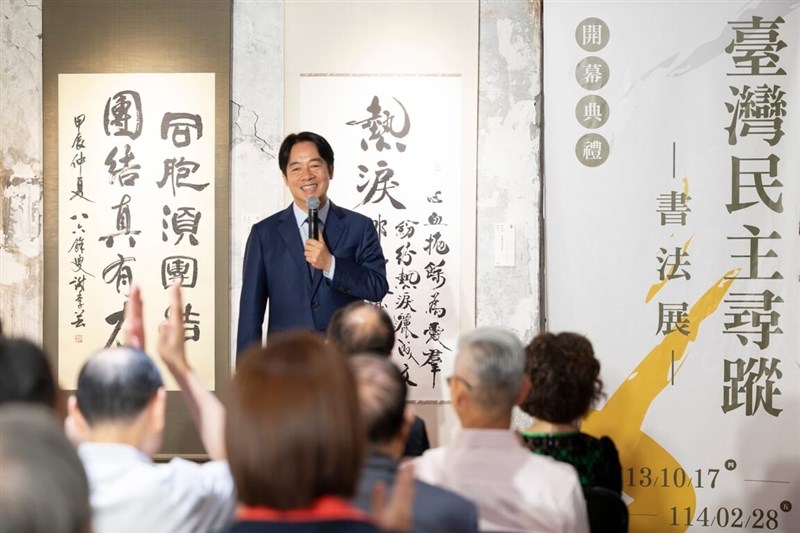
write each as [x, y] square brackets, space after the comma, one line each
[25, 374]
[116, 385]
[352, 335]
[323, 147]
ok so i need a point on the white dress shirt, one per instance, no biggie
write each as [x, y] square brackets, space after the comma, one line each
[130, 493]
[514, 489]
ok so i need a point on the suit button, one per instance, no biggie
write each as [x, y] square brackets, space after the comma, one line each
[314, 304]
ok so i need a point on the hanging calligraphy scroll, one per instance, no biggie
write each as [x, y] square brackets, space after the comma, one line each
[136, 162]
[398, 162]
[393, 87]
[136, 105]
[672, 208]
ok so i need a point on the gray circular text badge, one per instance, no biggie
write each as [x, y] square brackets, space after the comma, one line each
[592, 111]
[592, 150]
[592, 34]
[592, 73]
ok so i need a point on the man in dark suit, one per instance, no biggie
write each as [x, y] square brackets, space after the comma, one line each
[382, 397]
[306, 279]
[362, 328]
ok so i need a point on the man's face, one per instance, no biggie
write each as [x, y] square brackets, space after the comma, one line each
[307, 174]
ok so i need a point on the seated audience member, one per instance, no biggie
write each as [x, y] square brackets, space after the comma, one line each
[119, 408]
[360, 328]
[26, 375]
[514, 489]
[564, 376]
[43, 487]
[295, 439]
[382, 395]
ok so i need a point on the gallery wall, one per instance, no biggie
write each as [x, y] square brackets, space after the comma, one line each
[508, 157]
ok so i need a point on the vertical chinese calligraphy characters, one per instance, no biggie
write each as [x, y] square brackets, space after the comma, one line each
[757, 111]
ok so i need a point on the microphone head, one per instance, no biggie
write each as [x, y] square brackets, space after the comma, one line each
[313, 203]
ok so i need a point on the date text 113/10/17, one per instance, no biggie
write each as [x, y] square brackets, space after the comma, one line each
[671, 477]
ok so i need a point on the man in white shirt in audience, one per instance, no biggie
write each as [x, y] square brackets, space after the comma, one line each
[119, 412]
[514, 489]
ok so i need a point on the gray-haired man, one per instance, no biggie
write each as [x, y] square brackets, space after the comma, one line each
[515, 490]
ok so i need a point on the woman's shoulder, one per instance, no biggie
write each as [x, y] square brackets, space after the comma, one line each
[607, 444]
[603, 446]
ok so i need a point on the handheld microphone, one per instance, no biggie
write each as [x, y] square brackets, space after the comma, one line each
[313, 217]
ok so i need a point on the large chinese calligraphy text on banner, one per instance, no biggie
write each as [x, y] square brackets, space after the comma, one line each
[397, 142]
[136, 205]
[672, 203]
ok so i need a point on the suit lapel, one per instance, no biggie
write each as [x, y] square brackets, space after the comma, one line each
[291, 237]
[334, 227]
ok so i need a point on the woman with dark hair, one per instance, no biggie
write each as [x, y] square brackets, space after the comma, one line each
[26, 376]
[295, 439]
[565, 384]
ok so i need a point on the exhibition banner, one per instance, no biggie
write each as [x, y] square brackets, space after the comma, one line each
[672, 202]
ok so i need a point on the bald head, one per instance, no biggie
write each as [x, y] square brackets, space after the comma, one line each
[361, 327]
[115, 385]
[381, 395]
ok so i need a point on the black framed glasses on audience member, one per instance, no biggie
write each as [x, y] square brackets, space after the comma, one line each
[456, 377]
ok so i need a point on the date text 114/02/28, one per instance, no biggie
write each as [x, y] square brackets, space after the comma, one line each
[730, 517]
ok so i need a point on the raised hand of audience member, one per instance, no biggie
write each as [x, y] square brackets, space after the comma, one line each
[133, 325]
[206, 410]
[171, 340]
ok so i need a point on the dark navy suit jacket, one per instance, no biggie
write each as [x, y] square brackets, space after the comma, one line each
[417, 441]
[275, 270]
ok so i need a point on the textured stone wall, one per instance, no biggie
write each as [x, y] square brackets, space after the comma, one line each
[21, 182]
[509, 173]
[257, 128]
[508, 164]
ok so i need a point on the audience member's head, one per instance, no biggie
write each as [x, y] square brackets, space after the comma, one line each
[25, 374]
[120, 394]
[361, 327]
[43, 486]
[487, 378]
[293, 428]
[382, 396]
[564, 376]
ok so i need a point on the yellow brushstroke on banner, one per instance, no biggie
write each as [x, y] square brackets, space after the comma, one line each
[686, 187]
[658, 286]
[622, 416]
